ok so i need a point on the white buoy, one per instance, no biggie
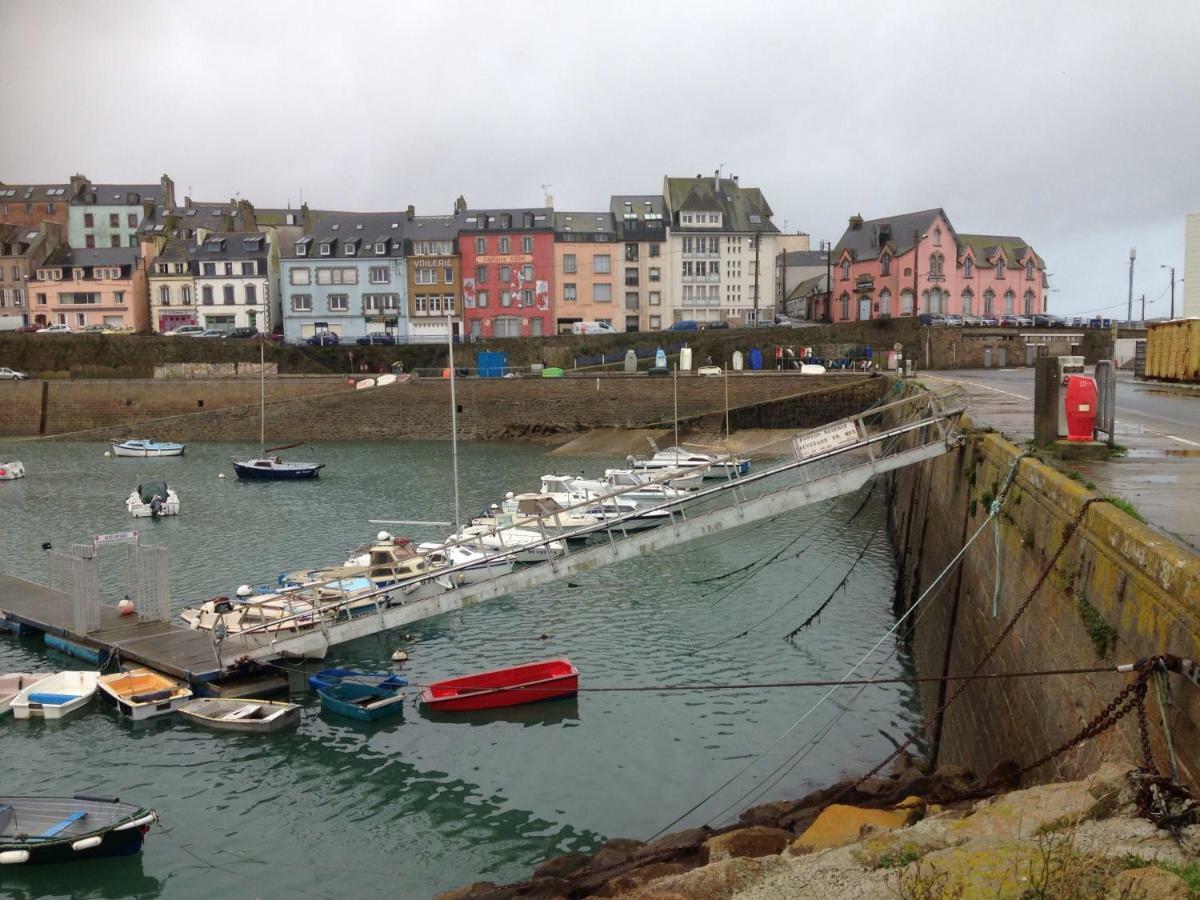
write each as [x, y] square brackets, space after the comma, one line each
[107, 453]
[125, 607]
[244, 590]
[399, 656]
[220, 474]
[383, 536]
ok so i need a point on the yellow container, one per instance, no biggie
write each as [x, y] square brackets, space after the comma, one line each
[1173, 351]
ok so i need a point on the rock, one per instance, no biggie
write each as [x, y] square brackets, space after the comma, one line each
[636, 879]
[478, 889]
[1189, 839]
[874, 787]
[1149, 882]
[1049, 807]
[838, 824]
[986, 867]
[753, 842]
[912, 782]
[1004, 776]
[614, 851]
[562, 866]
[954, 773]
[678, 845]
[718, 881]
[902, 764]
[547, 889]
[772, 814]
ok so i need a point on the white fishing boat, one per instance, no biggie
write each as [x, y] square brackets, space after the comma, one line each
[55, 696]
[143, 693]
[12, 683]
[476, 566]
[600, 504]
[145, 447]
[151, 499]
[11, 471]
[526, 546]
[245, 715]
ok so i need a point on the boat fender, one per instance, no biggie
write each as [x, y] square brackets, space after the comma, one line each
[12, 857]
[399, 656]
[152, 696]
[88, 843]
[145, 820]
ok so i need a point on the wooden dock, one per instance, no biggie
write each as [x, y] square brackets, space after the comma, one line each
[172, 649]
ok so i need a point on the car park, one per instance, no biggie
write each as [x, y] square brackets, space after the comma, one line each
[184, 331]
[972, 321]
[242, 332]
[7, 374]
[953, 320]
[59, 328]
[933, 320]
[324, 339]
[1024, 321]
[377, 337]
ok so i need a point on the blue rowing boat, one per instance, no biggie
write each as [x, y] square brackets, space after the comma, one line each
[328, 678]
[364, 702]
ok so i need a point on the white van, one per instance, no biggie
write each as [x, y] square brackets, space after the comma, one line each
[592, 328]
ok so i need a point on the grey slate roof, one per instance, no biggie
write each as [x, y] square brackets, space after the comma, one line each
[231, 246]
[118, 194]
[866, 241]
[365, 229]
[745, 209]
[493, 219]
[433, 228]
[176, 250]
[87, 257]
[177, 221]
[34, 193]
[986, 245]
[816, 284]
[805, 258]
[593, 223]
[20, 239]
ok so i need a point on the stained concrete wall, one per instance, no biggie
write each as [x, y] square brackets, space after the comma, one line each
[1120, 591]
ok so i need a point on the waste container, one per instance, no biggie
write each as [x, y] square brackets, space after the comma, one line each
[685, 359]
[630, 361]
[756, 359]
[738, 361]
[1081, 407]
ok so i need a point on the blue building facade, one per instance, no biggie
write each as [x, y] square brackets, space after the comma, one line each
[347, 275]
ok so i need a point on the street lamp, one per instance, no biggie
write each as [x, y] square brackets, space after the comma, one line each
[1172, 268]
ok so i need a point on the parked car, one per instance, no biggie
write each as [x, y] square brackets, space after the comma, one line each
[592, 328]
[683, 325]
[95, 328]
[972, 321]
[1024, 321]
[209, 333]
[715, 326]
[7, 374]
[27, 329]
[933, 320]
[377, 337]
[242, 333]
[59, 328]
[1046, 320]
[953, 320]
[990, 321]
[324, 339]
[658, 371]
[185, 331]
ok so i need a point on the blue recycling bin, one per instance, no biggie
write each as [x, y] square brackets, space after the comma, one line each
[756, 359]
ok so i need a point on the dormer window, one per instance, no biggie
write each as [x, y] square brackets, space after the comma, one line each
[381, 248]
[845, 270]
[1000, 266]
[251, 243]
[937, 237]
[1029, 270]
[302, 247]
[968, 267]
[77, 273]
[885, 265]
[350, 248]
[326, 248]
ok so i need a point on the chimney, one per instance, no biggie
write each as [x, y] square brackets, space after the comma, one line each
[699, 177]
[716, 181]
[187, 201]
[168, 191]
[410, 212]
[550, 200]
[77, 183]
[856, 222]
[460, 205]
[735, 179]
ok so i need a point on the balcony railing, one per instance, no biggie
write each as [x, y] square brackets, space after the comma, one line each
[710, 279]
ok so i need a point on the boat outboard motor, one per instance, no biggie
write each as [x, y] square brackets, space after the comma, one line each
[156, 504]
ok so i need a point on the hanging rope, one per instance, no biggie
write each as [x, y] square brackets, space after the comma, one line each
[841, 585]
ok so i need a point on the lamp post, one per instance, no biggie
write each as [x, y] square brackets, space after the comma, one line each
[1172, 268]
[827, 247]
[1132, 257]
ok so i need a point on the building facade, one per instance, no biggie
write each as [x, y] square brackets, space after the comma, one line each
[508, 272]
[587, 271]
[102, 286]
[109, 215]
[29, 205]
[1191, 268]
[722, 251]
[434, 276]
[232, 288]
[22, 250]
[347, 276]
[642, 233]
[172, 286]
[916, 264]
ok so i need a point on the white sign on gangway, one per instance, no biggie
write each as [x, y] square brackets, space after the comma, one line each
[117, 537]
[822, 440]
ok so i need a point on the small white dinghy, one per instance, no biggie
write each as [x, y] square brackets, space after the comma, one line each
[246, 715]
[56, 696]
[151, 499]
[143, 693]
[12, 683]
[11, 471]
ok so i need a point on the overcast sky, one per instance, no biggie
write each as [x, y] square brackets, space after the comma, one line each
[1074, 125]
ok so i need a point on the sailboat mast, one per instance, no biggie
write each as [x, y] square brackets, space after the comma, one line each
[727, 402]
[675, 385]
[453, 417]
[262, 399]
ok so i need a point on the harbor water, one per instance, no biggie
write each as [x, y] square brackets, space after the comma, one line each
[409, 808]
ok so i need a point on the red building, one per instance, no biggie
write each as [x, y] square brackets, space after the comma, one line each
[508, 272]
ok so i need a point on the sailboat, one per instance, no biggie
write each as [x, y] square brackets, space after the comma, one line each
[267, 467]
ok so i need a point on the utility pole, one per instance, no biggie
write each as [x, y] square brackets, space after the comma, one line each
[1143, 309]
[1172, 268]
[1132, 257]
[916, 244]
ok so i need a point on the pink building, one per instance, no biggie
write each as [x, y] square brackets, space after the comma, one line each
[917, 263]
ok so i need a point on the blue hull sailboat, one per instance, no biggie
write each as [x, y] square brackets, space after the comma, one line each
[265, 467]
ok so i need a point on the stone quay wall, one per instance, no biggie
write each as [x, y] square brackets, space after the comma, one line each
[1119, 592]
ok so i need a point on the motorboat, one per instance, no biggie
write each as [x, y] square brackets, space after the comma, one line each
[244, 714]
[601, 504]
[363, 702]
[644, 490]
[12, 683]
[143, 693]
[41, 830]
[550, 679]
[55, 696]
[713, 465]
[491, 535]
[151, 499]
[476, 566]
[11, 471]
[145, 447]
[539, 511]
[675, 479]
[285, 610]
[275, 469]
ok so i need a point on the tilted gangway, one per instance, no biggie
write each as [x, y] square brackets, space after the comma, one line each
[824, 462]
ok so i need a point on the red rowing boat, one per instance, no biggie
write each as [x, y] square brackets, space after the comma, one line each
[549, 679]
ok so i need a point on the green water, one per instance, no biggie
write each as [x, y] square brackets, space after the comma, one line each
[339, 809]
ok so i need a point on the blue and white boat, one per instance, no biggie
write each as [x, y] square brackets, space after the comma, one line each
[273, 468]
[328, 678]
[364, 702]
[146, 447]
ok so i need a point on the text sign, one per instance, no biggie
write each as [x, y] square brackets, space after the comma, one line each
[823, 440]
[118, 537]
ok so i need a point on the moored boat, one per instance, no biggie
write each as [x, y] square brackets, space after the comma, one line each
[145, 447]
[12, 683]
[56, 696]
[244, 715]
[328, 678]
[39, 830]
[475, 566]
[11, 471]
[143, 693]
[363, 702]
[712, 465]
[151, 499]
[549, 679]
[275, 469]
[491, 537]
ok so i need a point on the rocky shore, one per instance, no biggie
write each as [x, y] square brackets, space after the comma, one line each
[1068, 840]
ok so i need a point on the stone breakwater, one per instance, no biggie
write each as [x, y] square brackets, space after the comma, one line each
[1065, 840]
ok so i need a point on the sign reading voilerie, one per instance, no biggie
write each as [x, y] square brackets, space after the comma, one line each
[822, 440]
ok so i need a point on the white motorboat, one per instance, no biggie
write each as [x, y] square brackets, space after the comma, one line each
[676, 480]
[600, 504]
[11, 471]
[146, 447]
[629, 486]
[55, 696]
[494, 538]
[719, 465]
[539, 511]
[477, 566]
[152, 499]
[143, 693]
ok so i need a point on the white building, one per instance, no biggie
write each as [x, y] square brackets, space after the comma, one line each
[232, 289]
[1191, 268]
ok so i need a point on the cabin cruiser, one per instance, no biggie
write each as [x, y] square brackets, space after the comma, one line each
[539, 513]
[578, 494]
[152, 499]
[714, 465]
[676, 479]
[627, 485]
[476, 566]
[494, 534]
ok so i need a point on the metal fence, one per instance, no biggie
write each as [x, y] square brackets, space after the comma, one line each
[144, 577]
[1106, 399]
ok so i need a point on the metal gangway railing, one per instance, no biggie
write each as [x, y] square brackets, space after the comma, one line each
[824, 462]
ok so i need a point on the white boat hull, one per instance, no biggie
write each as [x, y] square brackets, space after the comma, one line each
[142, 452]
[79, 686]
[11, 471]
[140, 510]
